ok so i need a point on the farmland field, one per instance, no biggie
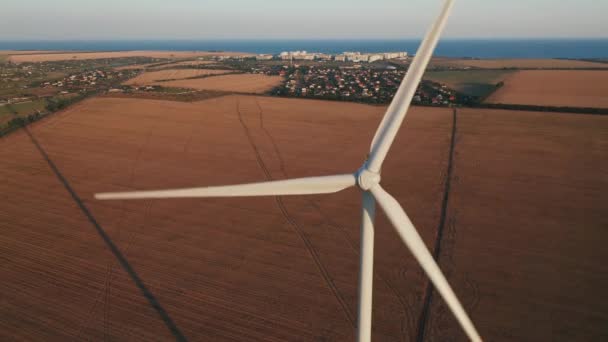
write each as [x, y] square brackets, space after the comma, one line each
[528, 204]
[152, 77]
[243, 83]
[566, 88]
[272, 269]
[7, 112]
[48, 57]
[5, 115]
[25, 52]
[31, 107]
[469, 82]
[525, 187]
[525, 63]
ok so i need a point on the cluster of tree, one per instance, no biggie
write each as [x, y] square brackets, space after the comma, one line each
[55, 104]
[18, 122]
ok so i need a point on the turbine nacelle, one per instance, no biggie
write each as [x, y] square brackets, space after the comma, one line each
[367, 179]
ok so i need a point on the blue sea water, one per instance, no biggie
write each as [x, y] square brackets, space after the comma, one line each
[476, 48]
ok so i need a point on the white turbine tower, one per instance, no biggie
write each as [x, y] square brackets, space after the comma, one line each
[367, 178]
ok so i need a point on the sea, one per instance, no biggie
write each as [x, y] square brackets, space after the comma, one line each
[472, 48]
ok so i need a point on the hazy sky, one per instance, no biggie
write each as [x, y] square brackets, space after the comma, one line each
[262, 19]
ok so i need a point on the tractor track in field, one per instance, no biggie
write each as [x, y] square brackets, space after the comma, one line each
[405, 308]
[443, 222]
[294, 224]
[271, 138]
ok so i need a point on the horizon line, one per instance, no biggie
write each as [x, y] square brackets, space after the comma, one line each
[283, 39]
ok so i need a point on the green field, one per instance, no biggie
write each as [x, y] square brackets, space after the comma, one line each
[27, 108]
[5, 115]
[7, 112]
[469, 82]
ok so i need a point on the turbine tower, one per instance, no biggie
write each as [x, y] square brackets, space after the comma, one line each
[367, 179]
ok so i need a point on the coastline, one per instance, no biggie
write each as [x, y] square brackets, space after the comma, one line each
[588, 48]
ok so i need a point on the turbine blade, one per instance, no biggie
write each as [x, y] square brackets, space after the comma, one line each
[391, 122]
[414, 242]
[366, 273]
[299, 186]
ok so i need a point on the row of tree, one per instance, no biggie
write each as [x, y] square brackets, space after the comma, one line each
[53, 105]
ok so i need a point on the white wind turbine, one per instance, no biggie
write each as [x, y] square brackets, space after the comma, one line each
[367, 178]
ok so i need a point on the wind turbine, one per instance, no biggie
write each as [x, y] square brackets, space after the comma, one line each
[367, 179]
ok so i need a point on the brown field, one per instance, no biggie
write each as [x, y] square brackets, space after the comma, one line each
[237, 269]
[151, 77]
[443, 63]
[27, 52]
[6, 54]
[48, 57]
[241, 83]
[566, 88]
[524, 245]
[525, 63]
[527, 233]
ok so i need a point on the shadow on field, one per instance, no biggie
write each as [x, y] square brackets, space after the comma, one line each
[124, 263]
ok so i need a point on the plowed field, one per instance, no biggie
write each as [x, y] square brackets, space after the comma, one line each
[49, 57]
[560, 88]
[242, 83]
[522, 244]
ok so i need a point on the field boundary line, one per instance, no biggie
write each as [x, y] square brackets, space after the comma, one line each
[428, 294]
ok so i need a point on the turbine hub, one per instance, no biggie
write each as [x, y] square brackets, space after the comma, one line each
[367, 179]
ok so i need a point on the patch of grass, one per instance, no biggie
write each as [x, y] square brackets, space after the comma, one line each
[5, 115]
[53, 76]
[27, 108]
[469, 82]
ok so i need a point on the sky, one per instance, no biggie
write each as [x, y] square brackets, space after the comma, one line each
[304, 19]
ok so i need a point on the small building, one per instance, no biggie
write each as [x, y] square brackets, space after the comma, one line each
[393, 55]
[376, 57]
[263, 57]
[360, 58]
